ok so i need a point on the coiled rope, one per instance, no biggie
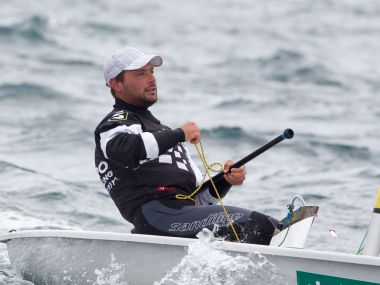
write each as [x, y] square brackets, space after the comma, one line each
[208, 169]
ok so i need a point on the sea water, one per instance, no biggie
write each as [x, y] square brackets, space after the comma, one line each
[220, 267]
[242, 70]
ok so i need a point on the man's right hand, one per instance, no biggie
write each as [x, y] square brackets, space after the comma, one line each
[192, 132]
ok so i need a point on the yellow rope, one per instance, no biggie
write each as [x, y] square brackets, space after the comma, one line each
[208, 169]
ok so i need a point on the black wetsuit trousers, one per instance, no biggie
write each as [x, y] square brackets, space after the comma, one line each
[184, 219]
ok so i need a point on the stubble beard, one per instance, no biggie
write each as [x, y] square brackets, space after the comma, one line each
[149, 100]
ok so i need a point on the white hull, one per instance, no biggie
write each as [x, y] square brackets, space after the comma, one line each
[76, 257]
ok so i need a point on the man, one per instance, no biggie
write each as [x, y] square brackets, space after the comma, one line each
[145, 164]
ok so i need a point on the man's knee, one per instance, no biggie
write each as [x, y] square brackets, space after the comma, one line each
[259, 229]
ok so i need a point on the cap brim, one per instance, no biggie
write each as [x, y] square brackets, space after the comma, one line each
[154, 60]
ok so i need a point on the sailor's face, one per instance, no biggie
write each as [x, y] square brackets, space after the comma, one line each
[139, 87]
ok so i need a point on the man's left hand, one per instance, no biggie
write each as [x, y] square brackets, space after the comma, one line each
[236, 176]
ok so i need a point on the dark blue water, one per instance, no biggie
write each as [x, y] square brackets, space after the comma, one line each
[242, 70]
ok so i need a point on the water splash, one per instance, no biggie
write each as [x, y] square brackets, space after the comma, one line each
[7, 277]
[115, 274]
[7, 274]
[206, 263]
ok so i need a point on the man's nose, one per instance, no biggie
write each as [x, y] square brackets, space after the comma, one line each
[152, 78]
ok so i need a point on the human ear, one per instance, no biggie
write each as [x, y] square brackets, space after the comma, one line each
[115, 84]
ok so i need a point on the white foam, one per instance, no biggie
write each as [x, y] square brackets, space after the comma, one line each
[4, 258]
[114, 274]
[12, 220]
[205, 263]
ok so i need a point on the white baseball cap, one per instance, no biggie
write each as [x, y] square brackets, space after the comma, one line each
[128, 58]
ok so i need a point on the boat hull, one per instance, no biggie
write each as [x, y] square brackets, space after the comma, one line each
[75, 257]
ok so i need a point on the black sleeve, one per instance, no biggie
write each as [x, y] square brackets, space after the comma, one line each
[168, 138]
[129, 149]
[121, 139]
[221, 185]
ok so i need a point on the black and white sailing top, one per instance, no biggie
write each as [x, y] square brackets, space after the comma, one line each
[139, 159]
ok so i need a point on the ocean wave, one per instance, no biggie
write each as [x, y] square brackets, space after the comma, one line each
[370, 173]
[6, 166]
[32, 29]
[40, 185]
[343, 151]
[28, 92]
[96, 218]
[230, 134]
[225, 132]
[282, 66]
[287, 66]
[101, 27]
[27, 219]
[47, 196]
[71, 62]
[314, 198]
[235, 103]
[51, 187]
[66, 133]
